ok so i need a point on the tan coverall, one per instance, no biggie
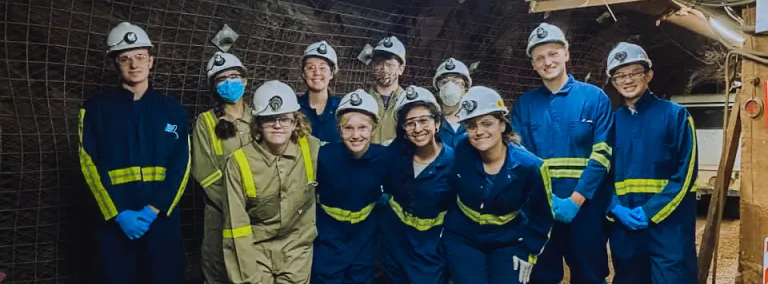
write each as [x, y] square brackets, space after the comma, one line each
[269, 213]
[387, 125]
[209, 156]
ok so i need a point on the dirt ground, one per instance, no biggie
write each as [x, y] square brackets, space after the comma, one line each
[728, 251]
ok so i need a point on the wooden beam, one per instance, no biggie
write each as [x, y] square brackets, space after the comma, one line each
[711, 237]
[538, 6]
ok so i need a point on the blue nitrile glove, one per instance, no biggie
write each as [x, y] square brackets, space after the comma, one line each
[639, 218]
[148, 215]
[623, 214]
[565, 209]
[131, 223]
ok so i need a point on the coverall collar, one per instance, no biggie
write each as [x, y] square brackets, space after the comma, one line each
[348, 154]
[643, 103]
[291, 152]
[124, 93]
[247, 116]
[564, 90]
[510, 162]
[304, 101]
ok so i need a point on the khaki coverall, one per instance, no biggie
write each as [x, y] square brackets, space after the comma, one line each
[269, 213]
[387, 124]
[209, 157]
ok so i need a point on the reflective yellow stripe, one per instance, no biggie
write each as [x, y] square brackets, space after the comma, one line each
[92, 177]
[238, 232]
[308, 167]
[486, 219]
[125, 175]
[565, 173]
[153, 173]
[413, 221]
[245, 172]
[353, 217]
[601, 159]
[602, 146]
[670, 207]
[183, 184]
[567, 162]
[210, 123]
[532, 258]
[210, 179]
[640, 186]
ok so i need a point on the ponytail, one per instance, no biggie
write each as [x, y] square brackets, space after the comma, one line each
[225, 129]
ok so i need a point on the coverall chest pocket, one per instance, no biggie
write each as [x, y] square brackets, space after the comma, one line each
[265, 206]
[305, 198]
[581, 132]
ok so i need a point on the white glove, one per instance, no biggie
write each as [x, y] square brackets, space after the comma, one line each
[524, 268]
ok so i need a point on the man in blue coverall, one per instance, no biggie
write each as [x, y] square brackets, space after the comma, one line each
[134, 155]
[569, 124]
[656, 167]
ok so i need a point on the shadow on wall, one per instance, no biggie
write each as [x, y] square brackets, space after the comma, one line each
[53, 57]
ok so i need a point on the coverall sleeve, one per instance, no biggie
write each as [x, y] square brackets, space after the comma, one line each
[92, 168]
[662, 204]
[599, 163]
[539, 212]
[520, 126]
[205, 168]
[176, 170]
[237, 234]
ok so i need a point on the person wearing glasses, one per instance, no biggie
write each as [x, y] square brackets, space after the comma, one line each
[269, 207]
[452, 80]
[219, 132]
[134, 155]
[656, 168]
[503, 213]
[319, 65]
[419, 193]
[349, 174]
[569, 124]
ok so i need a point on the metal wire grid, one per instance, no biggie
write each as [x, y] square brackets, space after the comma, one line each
[53, 57]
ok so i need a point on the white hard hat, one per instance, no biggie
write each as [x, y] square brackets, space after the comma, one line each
[273, 98]
[391, 45]
[223, 61]
[127, 36]
[416, 94]
[624, 54]
[359, 100]
[452, 66]
[479, 101]
[322, 50]
[545, 33]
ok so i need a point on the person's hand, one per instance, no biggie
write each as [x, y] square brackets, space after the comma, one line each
[565, 209]
[524, 269]
[639, 218]
[148, 214]
[131, 223]
[623, 214]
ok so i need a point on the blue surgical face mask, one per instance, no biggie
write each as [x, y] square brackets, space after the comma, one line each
[231, 90]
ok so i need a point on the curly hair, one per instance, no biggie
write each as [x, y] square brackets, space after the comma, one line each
[303, 128]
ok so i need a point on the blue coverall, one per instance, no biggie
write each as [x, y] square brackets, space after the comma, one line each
[656, 167]
[324, 125]
[133, 154]
[412, 222]
[496, 217]
[348, 188]
[450, 137]
[572, 130]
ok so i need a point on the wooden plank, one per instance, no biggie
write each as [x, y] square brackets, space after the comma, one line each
[538, 6]
[754, 162]
[711, 237]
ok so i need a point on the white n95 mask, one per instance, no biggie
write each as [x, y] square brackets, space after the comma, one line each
[450, 94]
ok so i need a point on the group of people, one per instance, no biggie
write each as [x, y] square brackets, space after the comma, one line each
[312, 188]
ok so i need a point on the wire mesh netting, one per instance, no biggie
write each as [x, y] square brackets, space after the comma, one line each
[52, 57]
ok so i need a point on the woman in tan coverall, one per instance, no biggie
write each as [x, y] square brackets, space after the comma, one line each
[269, 209]
[219, 132]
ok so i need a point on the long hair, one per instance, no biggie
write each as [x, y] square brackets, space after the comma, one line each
[402, 135]
[303, 128]
[225, 129]
[509, 135]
